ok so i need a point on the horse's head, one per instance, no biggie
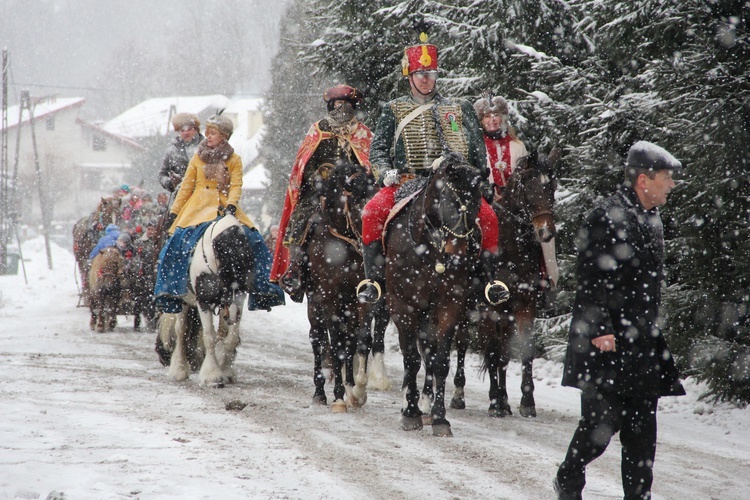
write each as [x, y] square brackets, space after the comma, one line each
[109, 210]
[346, 190]
[452, 201]
[531, 192]
[226, 278]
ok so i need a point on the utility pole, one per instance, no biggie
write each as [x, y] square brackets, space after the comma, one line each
[6, 220]
[26, 102]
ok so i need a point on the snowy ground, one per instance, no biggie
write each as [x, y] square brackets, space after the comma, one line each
[93, 416]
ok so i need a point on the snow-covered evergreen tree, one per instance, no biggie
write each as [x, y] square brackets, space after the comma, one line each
[594, 77]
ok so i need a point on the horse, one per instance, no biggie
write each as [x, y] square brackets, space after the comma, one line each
[338, 322]
[86, 234]
[432, 256]
[140, 278]
[527, 231]
[221, 275]
[105, 284]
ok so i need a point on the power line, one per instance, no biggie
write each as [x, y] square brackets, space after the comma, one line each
[15, 84]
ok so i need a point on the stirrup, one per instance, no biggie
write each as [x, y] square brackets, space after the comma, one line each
[362, 284]
[505, 294]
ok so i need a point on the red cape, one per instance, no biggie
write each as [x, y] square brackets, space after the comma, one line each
[360, 141]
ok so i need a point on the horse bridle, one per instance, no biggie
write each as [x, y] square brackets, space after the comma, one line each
[356, 242]
[525, 217]
[463, 220]
[218, 307]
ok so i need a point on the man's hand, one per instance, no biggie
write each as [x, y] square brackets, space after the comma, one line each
[604, 343]
[175, 178]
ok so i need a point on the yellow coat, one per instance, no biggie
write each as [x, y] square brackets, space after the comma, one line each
[199, 198]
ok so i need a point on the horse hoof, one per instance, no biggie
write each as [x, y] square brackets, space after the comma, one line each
[411, 423]
[320, 399]
[527, 411]
[499, 411]
[458, 404]
[442, 430]
[426, 419]
[338, 406]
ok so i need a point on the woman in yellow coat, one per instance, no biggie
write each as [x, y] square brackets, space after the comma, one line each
[211, 188]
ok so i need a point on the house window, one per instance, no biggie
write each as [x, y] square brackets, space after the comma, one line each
[91, 181]
[50, 123]
[99, 143]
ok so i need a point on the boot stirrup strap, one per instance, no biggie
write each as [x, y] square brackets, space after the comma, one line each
[366, 282]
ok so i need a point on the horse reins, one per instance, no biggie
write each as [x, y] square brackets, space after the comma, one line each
[356, 242]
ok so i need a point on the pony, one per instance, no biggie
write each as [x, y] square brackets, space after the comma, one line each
[140, 278]
[432, 255]
[86, 234]
[220, 277]
[105, 283]
[527, 232]
[339, 324]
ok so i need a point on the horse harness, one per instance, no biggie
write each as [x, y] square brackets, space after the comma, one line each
[356, 241]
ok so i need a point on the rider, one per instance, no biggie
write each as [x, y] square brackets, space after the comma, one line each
[338, 137]
[503, 147]
[412, 132]
[181, 150]
[211, 188]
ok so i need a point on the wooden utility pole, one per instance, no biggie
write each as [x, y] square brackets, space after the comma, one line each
[6, 219]
[26, 100]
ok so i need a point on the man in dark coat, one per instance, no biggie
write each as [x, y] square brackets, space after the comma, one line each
[180, 151]
[616, 353]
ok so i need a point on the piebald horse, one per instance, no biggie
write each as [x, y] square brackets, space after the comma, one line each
[220, 277]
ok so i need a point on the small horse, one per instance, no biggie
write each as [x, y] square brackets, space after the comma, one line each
[86, 234]
[140, 276]
[220, 275]
[105, 287]
[432, 253]
[527, 231]
[337, 320]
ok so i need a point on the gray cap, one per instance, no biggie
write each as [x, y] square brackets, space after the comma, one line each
[649, 156]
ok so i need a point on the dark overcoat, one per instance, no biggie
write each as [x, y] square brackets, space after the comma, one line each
[620, 270]
[176, 159]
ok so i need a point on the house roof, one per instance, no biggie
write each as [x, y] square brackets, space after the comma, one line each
[256, 179]
[151, 117]
[42, 109]
[124, 140]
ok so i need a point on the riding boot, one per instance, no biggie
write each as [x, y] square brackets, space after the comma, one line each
[293, 280]
[495, 291]
[370, 290]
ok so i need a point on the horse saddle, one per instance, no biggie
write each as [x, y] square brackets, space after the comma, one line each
[404, 195]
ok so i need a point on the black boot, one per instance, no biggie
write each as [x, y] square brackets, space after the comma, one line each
[495, 291]
[293, 280]
[371, 289]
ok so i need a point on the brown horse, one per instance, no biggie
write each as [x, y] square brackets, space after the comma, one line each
[86, 234]
[527, 232]
[338, 322]
[105, 288]
[432, 250]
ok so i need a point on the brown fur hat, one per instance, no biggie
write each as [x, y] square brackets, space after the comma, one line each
[182, 119]
[491, 105]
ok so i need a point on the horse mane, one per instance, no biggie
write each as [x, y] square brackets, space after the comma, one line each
[235, 256]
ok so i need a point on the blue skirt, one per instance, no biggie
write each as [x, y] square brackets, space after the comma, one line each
[174, 262]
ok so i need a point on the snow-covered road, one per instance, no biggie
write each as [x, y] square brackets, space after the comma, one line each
[94, 416]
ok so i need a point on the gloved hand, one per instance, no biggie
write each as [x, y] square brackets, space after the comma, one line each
[170, 220]
[488, 192]
[231, 209]
[391, 177]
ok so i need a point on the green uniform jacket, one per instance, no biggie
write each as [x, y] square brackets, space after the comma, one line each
[383, 158]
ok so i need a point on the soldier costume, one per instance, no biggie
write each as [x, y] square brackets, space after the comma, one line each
[412, 132]
[338, 137]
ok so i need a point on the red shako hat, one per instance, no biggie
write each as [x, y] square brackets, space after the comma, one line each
[422, 57]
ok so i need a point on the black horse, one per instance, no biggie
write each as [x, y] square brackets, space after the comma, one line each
[432, 251]
[527, 231]
[339, 324]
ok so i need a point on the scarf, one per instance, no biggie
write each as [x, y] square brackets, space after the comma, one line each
[220, 153]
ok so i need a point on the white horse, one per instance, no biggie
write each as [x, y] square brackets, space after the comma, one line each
[220, 277]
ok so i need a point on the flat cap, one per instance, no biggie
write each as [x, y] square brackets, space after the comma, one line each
[649, 156]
